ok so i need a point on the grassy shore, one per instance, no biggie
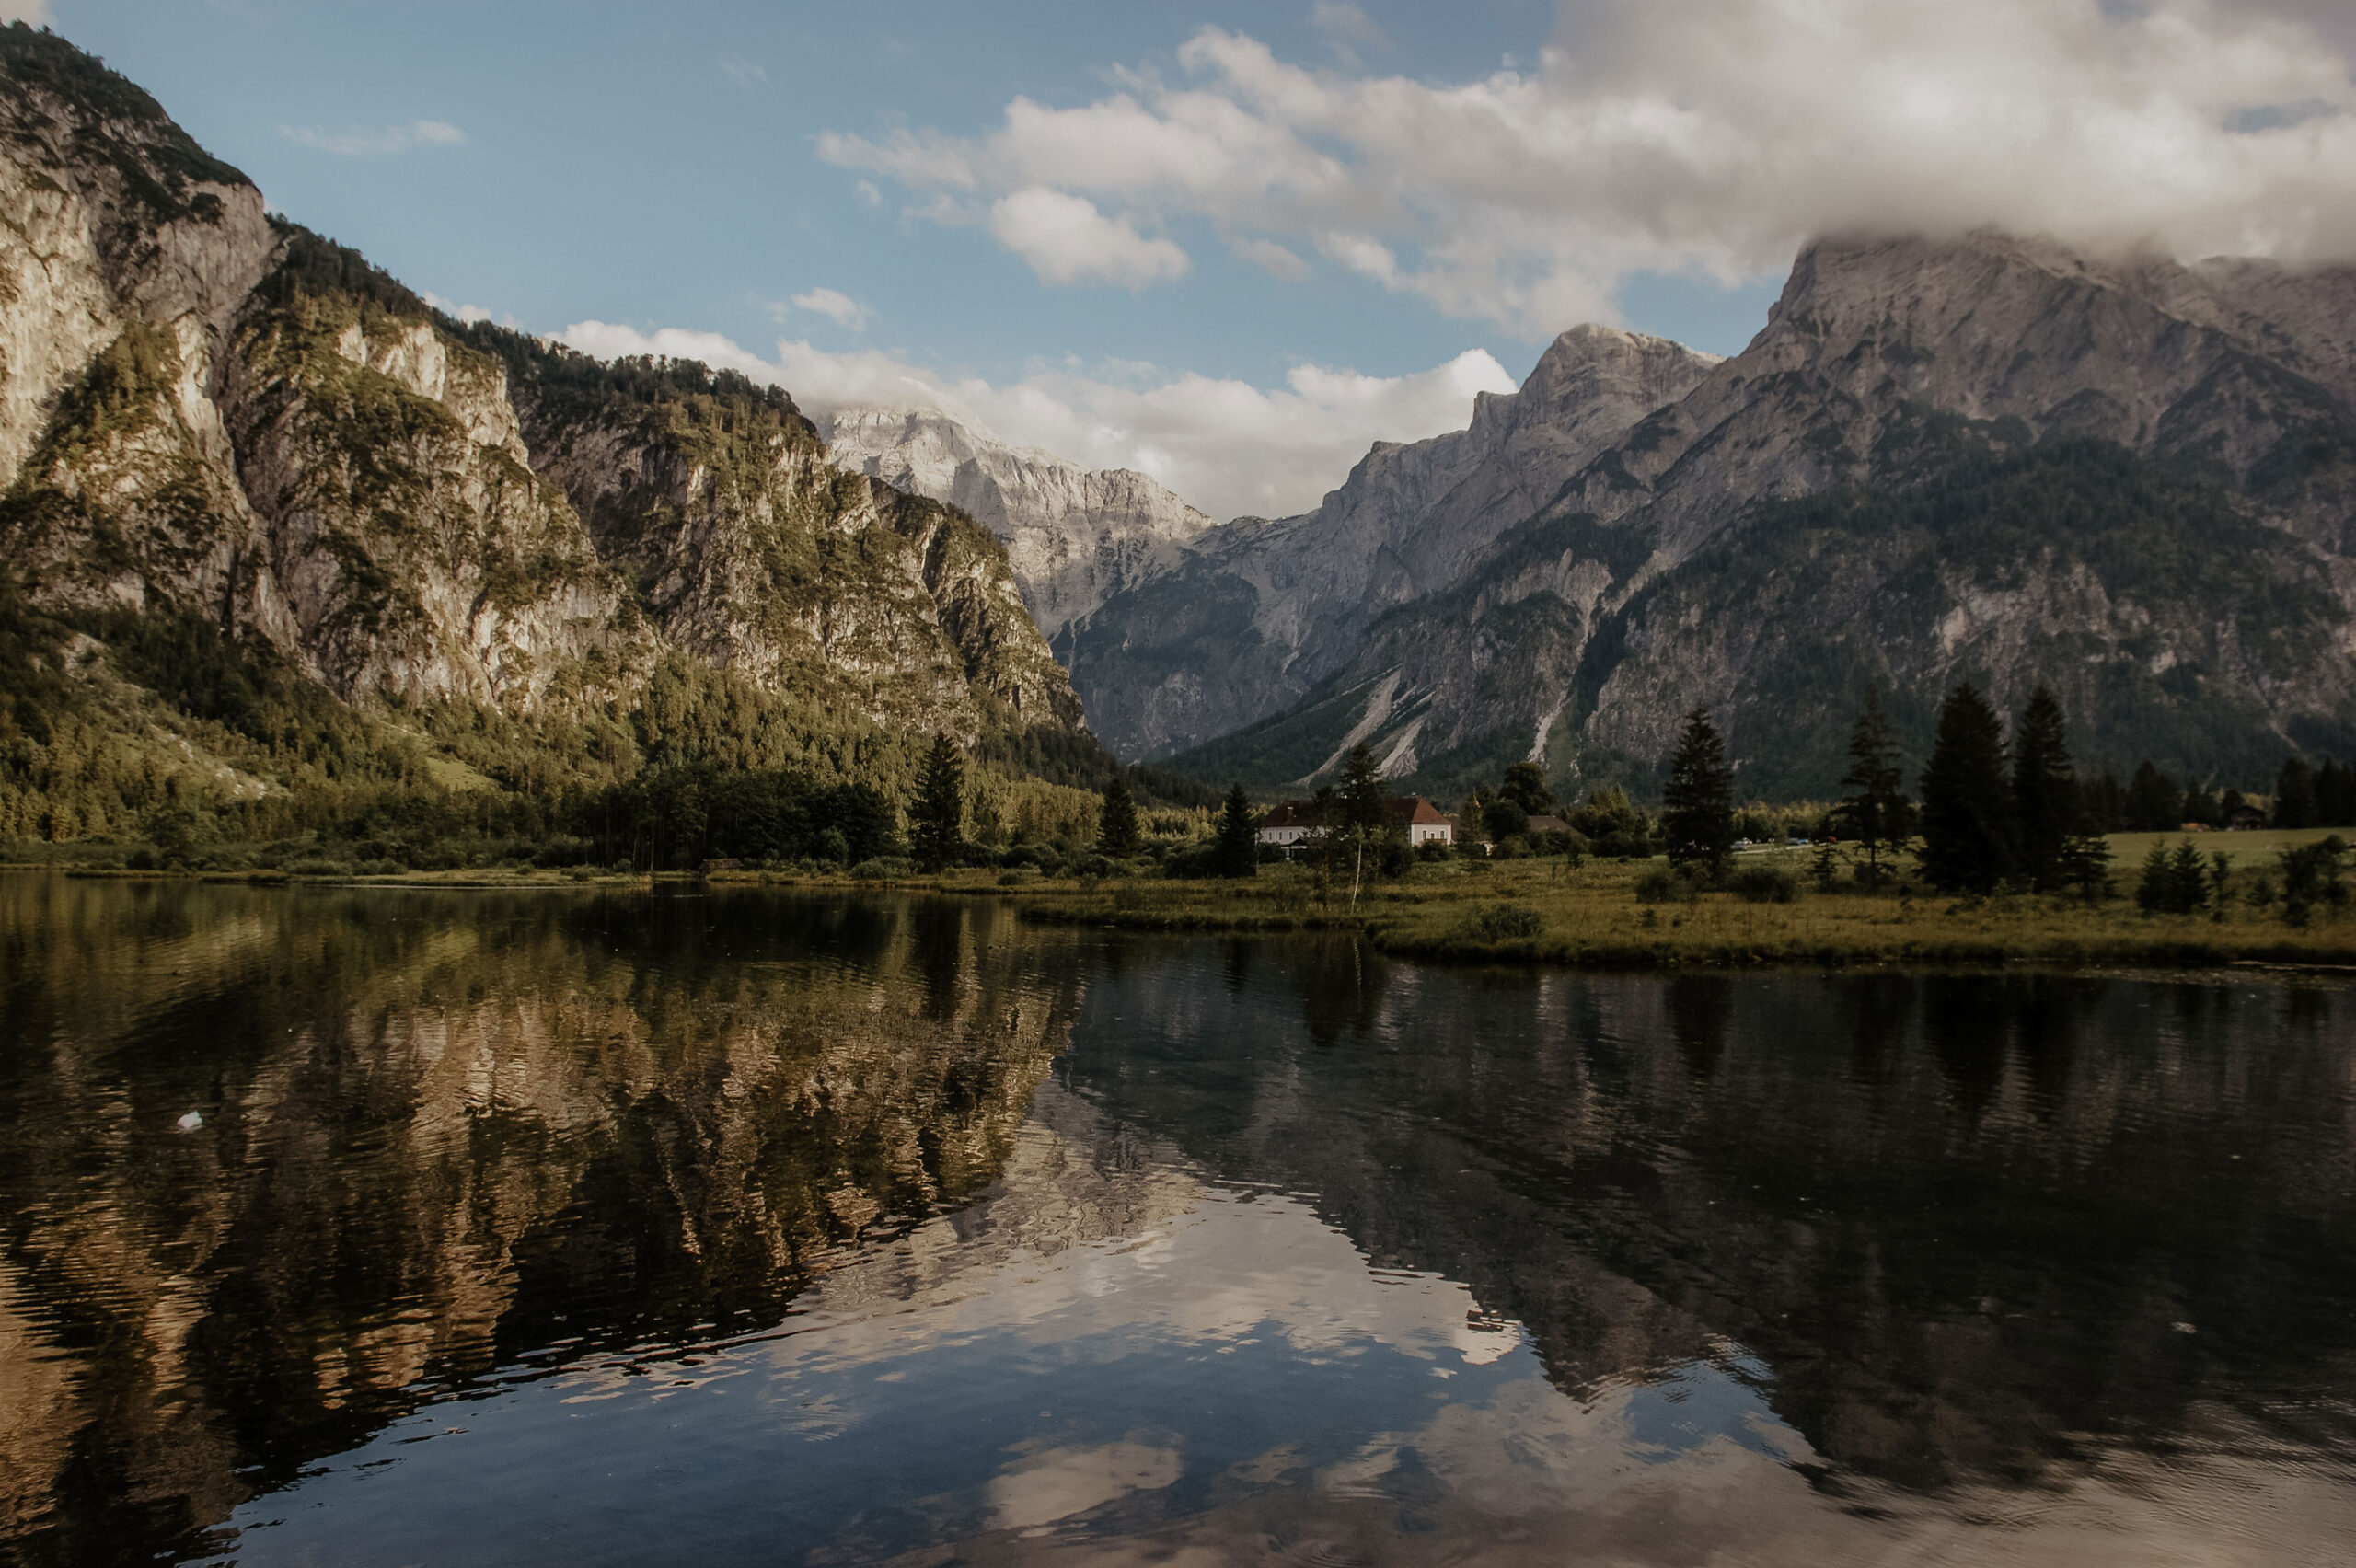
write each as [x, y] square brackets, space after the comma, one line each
[1541, 911]
[1537, 911]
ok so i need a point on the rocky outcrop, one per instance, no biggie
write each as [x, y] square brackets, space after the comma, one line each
[1073, 535]
[206, 414]
[1988, 458]
[1258, 613]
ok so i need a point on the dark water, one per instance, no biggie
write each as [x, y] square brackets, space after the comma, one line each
[607, 1229]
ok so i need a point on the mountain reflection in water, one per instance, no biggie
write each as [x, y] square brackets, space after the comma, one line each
[599, 1228]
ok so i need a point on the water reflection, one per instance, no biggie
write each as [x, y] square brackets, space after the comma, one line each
[602, 1229]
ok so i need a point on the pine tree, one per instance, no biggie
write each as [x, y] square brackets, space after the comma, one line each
[1236, 851]
[1698, 802]
[2154, 802]
[1967, 841]
[2045, 795]
[1116, 818]
[1874, 812]
[1365, 811]
[937, 819]
[2294, 795]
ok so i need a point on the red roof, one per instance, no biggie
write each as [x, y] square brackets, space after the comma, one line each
[1402, 809]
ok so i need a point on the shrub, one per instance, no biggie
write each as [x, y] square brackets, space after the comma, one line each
[1503, 923]
[883, 867]
[1661, 885]
[1765, 885]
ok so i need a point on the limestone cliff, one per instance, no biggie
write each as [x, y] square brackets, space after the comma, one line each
[1073, 535]
[210, 418]
[1258, 613]
[1987, 458]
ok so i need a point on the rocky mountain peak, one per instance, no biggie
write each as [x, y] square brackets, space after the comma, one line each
[1074, 536]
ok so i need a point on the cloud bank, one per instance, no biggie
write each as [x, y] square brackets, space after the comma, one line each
[1708, 138]
[834, 305]
[1229, 447]
[369, 143]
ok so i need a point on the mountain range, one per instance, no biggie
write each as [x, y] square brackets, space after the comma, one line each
[273, 523]
[1983, 457]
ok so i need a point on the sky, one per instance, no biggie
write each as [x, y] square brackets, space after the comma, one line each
[1229, 244]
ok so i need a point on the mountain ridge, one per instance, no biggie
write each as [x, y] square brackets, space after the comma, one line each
[1892, 369]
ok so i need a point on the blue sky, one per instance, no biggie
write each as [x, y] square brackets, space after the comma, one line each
[1227, 243]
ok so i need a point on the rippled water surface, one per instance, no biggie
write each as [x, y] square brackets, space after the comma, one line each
[383, 1227]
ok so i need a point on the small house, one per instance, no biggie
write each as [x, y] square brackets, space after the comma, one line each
[1302, 822]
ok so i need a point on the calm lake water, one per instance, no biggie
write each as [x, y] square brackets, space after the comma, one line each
[382, 1226]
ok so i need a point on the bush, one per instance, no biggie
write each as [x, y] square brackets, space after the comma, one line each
[883, 867]
[1089, 866]
[319, 866]
[1663, 886]
[1503, 923]
[1765, 885]
[1431, 849]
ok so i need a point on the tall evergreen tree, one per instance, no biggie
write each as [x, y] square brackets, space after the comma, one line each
[2045, 795]
[1698, 802]
[2294, 794]
[1236, 851]
[937, 819]
[1365, 811]
[2154, 802]
[1116, 818]
[1967, 838]
[1874, 812]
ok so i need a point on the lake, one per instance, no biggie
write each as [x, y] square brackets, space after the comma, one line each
[391, 1225]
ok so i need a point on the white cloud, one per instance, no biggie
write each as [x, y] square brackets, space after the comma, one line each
[836, 306]
[33, 13]
[1708, 138]
[1269, 257]
[1346, 29]
[1226, 445]
[743, 71]
[470, 313]
[1067, 240]
[391, 139]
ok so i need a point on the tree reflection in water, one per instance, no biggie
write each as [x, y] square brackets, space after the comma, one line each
[1942, 1234]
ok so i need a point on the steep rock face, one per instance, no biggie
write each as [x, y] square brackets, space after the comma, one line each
[209, 418]
[1259, 612]
[407, 548]
[1073, 535]
[1988, 459]
[752, 551]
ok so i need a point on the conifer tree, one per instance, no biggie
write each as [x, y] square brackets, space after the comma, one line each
[1698, 815]
[2154, 802]
[1967, 838]
[937, 820]
[2294, 795]
[1116, 818]
[2045, 794]
[1874, 812]
[1237, 849]
[1365, 811]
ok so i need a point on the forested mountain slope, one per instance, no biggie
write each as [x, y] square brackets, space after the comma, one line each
[274, 528]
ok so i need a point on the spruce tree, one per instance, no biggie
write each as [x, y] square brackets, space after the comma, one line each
[1236, 851]
[2294, 795]
[2154, 802]
[2045, 795]
[1699, 799]
[937, 819]
[1967, 838]
[1116, 818]
[1874, 812]
[1365, 811]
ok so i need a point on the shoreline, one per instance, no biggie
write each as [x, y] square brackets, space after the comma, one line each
[1525, 912]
